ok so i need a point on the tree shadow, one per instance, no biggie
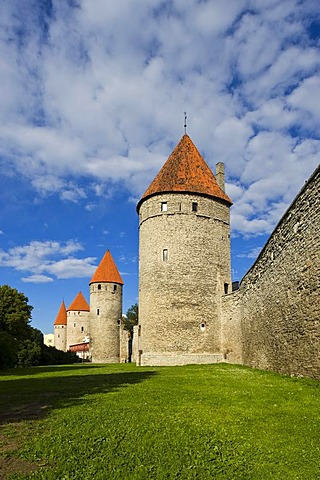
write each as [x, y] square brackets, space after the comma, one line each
[32, 398]
[27, 371]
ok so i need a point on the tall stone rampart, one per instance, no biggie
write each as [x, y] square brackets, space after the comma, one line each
[278, 301]
[231, 315]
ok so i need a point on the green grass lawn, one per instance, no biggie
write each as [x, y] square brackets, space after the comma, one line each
[127, 422]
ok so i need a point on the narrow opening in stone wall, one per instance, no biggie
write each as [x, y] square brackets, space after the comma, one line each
[202, 326]
[98, 311]
[226, 288]
[99, 287]
[82, 329]
[194, 206]
[114, 288]
[165, 254]
[164, 206]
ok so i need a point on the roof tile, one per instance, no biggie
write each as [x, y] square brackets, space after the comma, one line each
[186, 171]
[107, 271]
[79, 304]
[62, 315]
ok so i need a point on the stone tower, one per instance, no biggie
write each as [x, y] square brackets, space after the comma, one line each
[105, 311]
[60, 329]
[78, 320]
[184, 261]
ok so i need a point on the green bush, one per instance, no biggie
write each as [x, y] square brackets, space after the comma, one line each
[29, 354]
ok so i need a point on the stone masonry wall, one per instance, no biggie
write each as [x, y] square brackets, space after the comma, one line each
[180, 295]
[231, 327]
[60, 337]
[105, 317]
[78, 326]
[278, 299]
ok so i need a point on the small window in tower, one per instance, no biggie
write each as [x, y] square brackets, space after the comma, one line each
[165, 254]
[114, 288]
[194, 206]
[74, 324]
[202, 326]
[58, 335]
[164, 206]
[139, 331]
[82, 329]
[226, 288]
[98, 311]
[99, 287]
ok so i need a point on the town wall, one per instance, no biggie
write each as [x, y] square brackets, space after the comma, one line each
[278, 301]
[231, 338]
[124, 345]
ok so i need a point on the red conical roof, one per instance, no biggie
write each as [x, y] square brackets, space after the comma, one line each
[185, 171]
[107, 271]
[79, 304]
[62, 315]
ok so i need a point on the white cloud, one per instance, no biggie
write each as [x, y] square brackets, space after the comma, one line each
[37, 279]
[73, 267]
[90, 207]
[99, 106]
[253, 253]
[303, 99]
[42, 259]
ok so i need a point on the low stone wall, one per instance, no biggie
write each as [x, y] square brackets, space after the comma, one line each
[155, 359]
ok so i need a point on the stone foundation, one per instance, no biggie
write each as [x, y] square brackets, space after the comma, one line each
[154, 359]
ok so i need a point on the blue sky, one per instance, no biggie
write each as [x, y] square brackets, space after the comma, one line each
[92, 99]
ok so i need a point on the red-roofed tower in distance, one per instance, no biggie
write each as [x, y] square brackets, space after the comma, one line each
[106, 311]
[184, 261]
[60, 329]
[78, 319]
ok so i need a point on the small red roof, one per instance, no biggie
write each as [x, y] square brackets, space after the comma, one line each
[107, 271]
[185, 171]
[62, 315]
[79, 304]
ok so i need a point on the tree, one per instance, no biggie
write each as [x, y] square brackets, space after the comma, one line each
[29, 354]
[15, 329]
[130, 319]
[15, 313]
[20, 344]
[8, 350]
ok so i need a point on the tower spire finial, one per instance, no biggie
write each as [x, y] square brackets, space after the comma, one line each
[185, 122]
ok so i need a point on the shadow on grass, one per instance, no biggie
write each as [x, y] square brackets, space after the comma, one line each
[32, 398]
[23, 372]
